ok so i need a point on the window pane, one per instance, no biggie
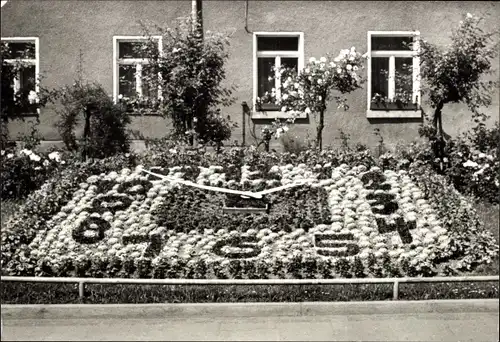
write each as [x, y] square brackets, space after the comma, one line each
[391, 43]
[150, 86]
[127, 84]
[132, 49]
[278, 43]
[265, 75]
[27, 78]
[290, 63]
[13, 50]
[380, 70]
[404, 78]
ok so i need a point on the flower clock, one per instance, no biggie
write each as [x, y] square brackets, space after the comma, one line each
[171, 223]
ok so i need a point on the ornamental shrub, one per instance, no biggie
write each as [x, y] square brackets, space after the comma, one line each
[456, 74]
[105, 123]
[24, 171]
[311, 89]
[192, 74]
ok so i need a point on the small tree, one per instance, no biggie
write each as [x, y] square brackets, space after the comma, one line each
[104, 132]
[311, 89]
[454, 74]
[189, 72]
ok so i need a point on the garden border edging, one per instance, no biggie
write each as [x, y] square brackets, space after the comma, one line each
[194, 310]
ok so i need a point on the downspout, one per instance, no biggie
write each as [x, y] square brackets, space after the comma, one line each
[246, 16]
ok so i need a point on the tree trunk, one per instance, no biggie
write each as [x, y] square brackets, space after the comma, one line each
[86, 133]
[319, 130]
[440, 143]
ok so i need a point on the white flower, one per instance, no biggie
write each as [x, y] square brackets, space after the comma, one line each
[34, 157]
[285, 128]
[26, 152]
[337, 59]
[55, 156]
[470, 163]
[307, 70]
[2, 152]
[469, 15]
[355, 68]
[344, 52]
[172, 150]
[482, 155]
[283, 109]
[333, 65]
[320, 81]
[296, 86]
[307, 111]
[120, 97]
[10, 155]
[320, 98]
[312, 60]
[323, 59]
[339, 70]
[46, 162]
[353, 49]
[285, 96]
[32, 97]
[349, 67]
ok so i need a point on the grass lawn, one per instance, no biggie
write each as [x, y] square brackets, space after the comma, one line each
[39, 293]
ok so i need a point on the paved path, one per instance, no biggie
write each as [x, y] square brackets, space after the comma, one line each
[462, 324]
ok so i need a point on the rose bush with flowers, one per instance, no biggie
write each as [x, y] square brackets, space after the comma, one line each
[310, 89]
[343, 221]
[24, 171]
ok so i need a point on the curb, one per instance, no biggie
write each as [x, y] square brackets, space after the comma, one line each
[204, 310]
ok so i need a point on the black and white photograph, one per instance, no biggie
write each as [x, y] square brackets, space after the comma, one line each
[249, 170]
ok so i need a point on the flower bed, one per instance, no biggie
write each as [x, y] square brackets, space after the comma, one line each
[356, 222]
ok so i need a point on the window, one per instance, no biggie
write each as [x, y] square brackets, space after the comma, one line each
[271, 52]
[393, 74]
[21, 58]
[128, 71]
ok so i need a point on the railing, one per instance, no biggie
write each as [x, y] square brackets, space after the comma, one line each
[395, 281]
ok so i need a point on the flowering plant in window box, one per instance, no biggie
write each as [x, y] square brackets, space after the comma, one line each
[139, 104]
[400, 102]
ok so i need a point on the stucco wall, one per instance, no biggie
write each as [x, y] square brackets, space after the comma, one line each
[66, 26]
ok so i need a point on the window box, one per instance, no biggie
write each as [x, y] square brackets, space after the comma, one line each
[267, 107]
[393, 106]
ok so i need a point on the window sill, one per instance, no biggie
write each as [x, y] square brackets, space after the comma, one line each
[276, 115]
[403, 114]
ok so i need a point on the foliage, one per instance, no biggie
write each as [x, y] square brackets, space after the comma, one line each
[310, 89]
[191, 72]
[104, 122]
[16, 103]
[455, 74]
[25, 171]
[469, 237]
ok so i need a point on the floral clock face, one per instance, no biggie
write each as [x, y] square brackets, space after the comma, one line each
[356, 213]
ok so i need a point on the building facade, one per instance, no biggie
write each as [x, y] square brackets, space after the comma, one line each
[263, 34]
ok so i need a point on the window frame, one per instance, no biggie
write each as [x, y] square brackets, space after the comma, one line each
[392, 55]
[299, 54]
[138, 62]
[30, 61]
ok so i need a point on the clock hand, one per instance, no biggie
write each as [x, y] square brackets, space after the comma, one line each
[279, 188]
[199, 186]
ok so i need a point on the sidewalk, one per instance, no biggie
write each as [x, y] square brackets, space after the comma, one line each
[371, 321]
